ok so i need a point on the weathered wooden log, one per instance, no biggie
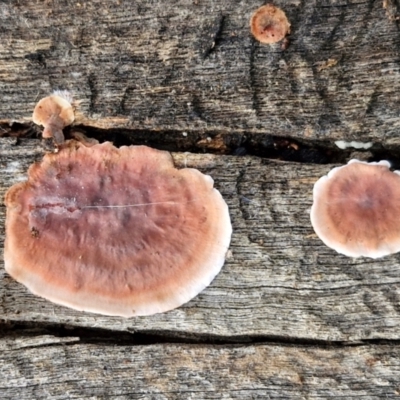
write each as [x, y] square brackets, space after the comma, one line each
[188, 75]
[194, 67]
[279, 279]
[63, 368]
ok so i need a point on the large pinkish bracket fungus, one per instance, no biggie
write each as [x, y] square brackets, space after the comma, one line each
[356, 209]
[115, 231]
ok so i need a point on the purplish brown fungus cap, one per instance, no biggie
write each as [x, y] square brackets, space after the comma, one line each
[115, 231]
[356, 209]
[269, 24]
[54, 113]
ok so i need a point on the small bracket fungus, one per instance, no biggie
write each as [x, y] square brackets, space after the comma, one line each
[269, 24]
[54, 113]
[356, 209]
[115, 231]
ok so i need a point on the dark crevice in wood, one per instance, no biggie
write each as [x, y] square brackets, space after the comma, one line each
[19, 130]
[142, 338]
[39, 58]
[253, 76]
[242, 144]
[213, 36]
[93, 92]
[266, 145]
[231, 143]
[392, 13]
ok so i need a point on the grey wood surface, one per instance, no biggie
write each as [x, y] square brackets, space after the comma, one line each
[67, 369]
[293, 319]
[279, 279]
[193, 66]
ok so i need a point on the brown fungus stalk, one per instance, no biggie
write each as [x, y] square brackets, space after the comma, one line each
[54, 113]
[356, 209]
[115, 231]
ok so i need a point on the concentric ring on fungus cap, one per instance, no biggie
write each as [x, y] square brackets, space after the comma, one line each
[115, 231]
[356, 209]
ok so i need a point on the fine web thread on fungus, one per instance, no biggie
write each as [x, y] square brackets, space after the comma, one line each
[140, 204]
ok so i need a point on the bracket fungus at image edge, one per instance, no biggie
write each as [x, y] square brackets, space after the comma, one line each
[115, 231]
[356, 209]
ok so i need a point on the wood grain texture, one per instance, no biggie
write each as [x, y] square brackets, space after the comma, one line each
[191, 69]
[193, 66]
[67, 369]
[279, 279]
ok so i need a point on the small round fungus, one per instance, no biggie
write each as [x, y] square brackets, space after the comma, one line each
[115, 231]
[269, 24]
[54, 113]
[356, 209]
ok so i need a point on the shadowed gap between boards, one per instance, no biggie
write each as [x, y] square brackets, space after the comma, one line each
[227, 143]
[9, 330]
